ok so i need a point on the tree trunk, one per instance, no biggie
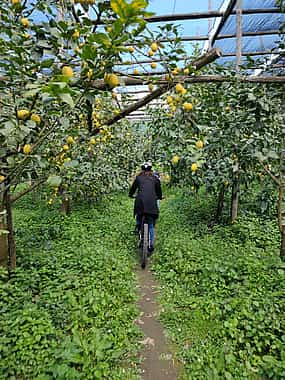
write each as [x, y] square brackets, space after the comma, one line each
[235, 194]
[11, 237]
[3, 240]
[65, 206]
[220, 204]
[282, 248]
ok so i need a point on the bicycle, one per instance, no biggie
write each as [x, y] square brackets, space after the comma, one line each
[144, 241]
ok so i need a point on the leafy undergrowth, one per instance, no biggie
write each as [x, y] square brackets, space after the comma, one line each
[222, 291]
[68, 310]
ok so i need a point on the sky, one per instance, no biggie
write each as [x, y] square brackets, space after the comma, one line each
[188, 27]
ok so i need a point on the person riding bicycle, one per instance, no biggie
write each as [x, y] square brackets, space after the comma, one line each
[148, 192]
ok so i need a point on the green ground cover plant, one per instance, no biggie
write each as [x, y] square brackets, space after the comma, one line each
[68, 310]
[222, 290]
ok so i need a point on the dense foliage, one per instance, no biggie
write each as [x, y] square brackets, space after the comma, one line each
[68, 310]
[222, 291]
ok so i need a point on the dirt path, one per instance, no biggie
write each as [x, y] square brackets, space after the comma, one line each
[158, 362]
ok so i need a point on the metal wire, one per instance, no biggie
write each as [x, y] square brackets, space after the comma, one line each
[174, 6]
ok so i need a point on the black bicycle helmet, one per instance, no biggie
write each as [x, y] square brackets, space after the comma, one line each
[146, 166]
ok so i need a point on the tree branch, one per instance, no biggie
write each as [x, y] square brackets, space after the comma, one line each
[26, 191]
[265, 168]
[197, 63]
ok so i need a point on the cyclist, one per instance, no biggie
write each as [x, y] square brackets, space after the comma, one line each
[148, 192]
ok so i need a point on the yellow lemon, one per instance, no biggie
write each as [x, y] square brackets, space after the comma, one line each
[23, 114]
[89, 74]
[131, 49]
[228, 108]
[27, 149]
[175, 159]
[169, 99]
[154, 46]
[188, 106]
[76, 34]
[183, 91]
[111, 80]
[136, 72]
[25, 22]
[65, 147]
[36, 118]
[67, 72]
[199, 144]
[186, 71]
[2, 178]
[167, 178]
[153, 65]
[194, 167]
[15, 2]
[175, 71]
[93, 141]
[150, 53]
[179, 88]
[70, 140]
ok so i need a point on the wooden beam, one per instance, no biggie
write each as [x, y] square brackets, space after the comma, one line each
[197, 15]
[184, 58]
[219, 37]
[207, 79]
[239, 34]
[210, 14]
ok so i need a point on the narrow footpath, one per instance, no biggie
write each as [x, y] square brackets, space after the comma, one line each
[157, 357]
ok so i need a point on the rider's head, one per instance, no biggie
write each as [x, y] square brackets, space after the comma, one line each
[146, 166]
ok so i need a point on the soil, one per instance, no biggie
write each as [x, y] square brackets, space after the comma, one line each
[158, 361]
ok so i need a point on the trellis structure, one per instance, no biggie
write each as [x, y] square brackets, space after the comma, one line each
[242, 28]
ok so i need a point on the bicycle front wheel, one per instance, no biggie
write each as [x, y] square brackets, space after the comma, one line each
[144, 245]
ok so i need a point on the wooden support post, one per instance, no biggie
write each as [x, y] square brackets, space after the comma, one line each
[235, 193]
[3, 240]
[239, 34]
[209, 19]
[11, 237]
[65, 206]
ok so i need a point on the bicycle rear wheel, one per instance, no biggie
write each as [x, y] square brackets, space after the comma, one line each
[144, 246]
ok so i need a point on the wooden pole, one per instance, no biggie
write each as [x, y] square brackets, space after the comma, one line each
[127, 81]
[3, 239]
[200, 15]
[186, 58]
[235, 197]
[239, 35]
[11, 237]
[209, 19]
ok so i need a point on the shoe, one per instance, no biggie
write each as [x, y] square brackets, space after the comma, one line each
[136, 230]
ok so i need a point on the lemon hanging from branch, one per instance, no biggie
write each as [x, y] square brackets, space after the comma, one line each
[111, 80]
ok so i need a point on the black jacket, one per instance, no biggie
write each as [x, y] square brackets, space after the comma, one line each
[149, 191]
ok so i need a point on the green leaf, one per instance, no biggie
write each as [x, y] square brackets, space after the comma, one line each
[54, 180]
[67, 98]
